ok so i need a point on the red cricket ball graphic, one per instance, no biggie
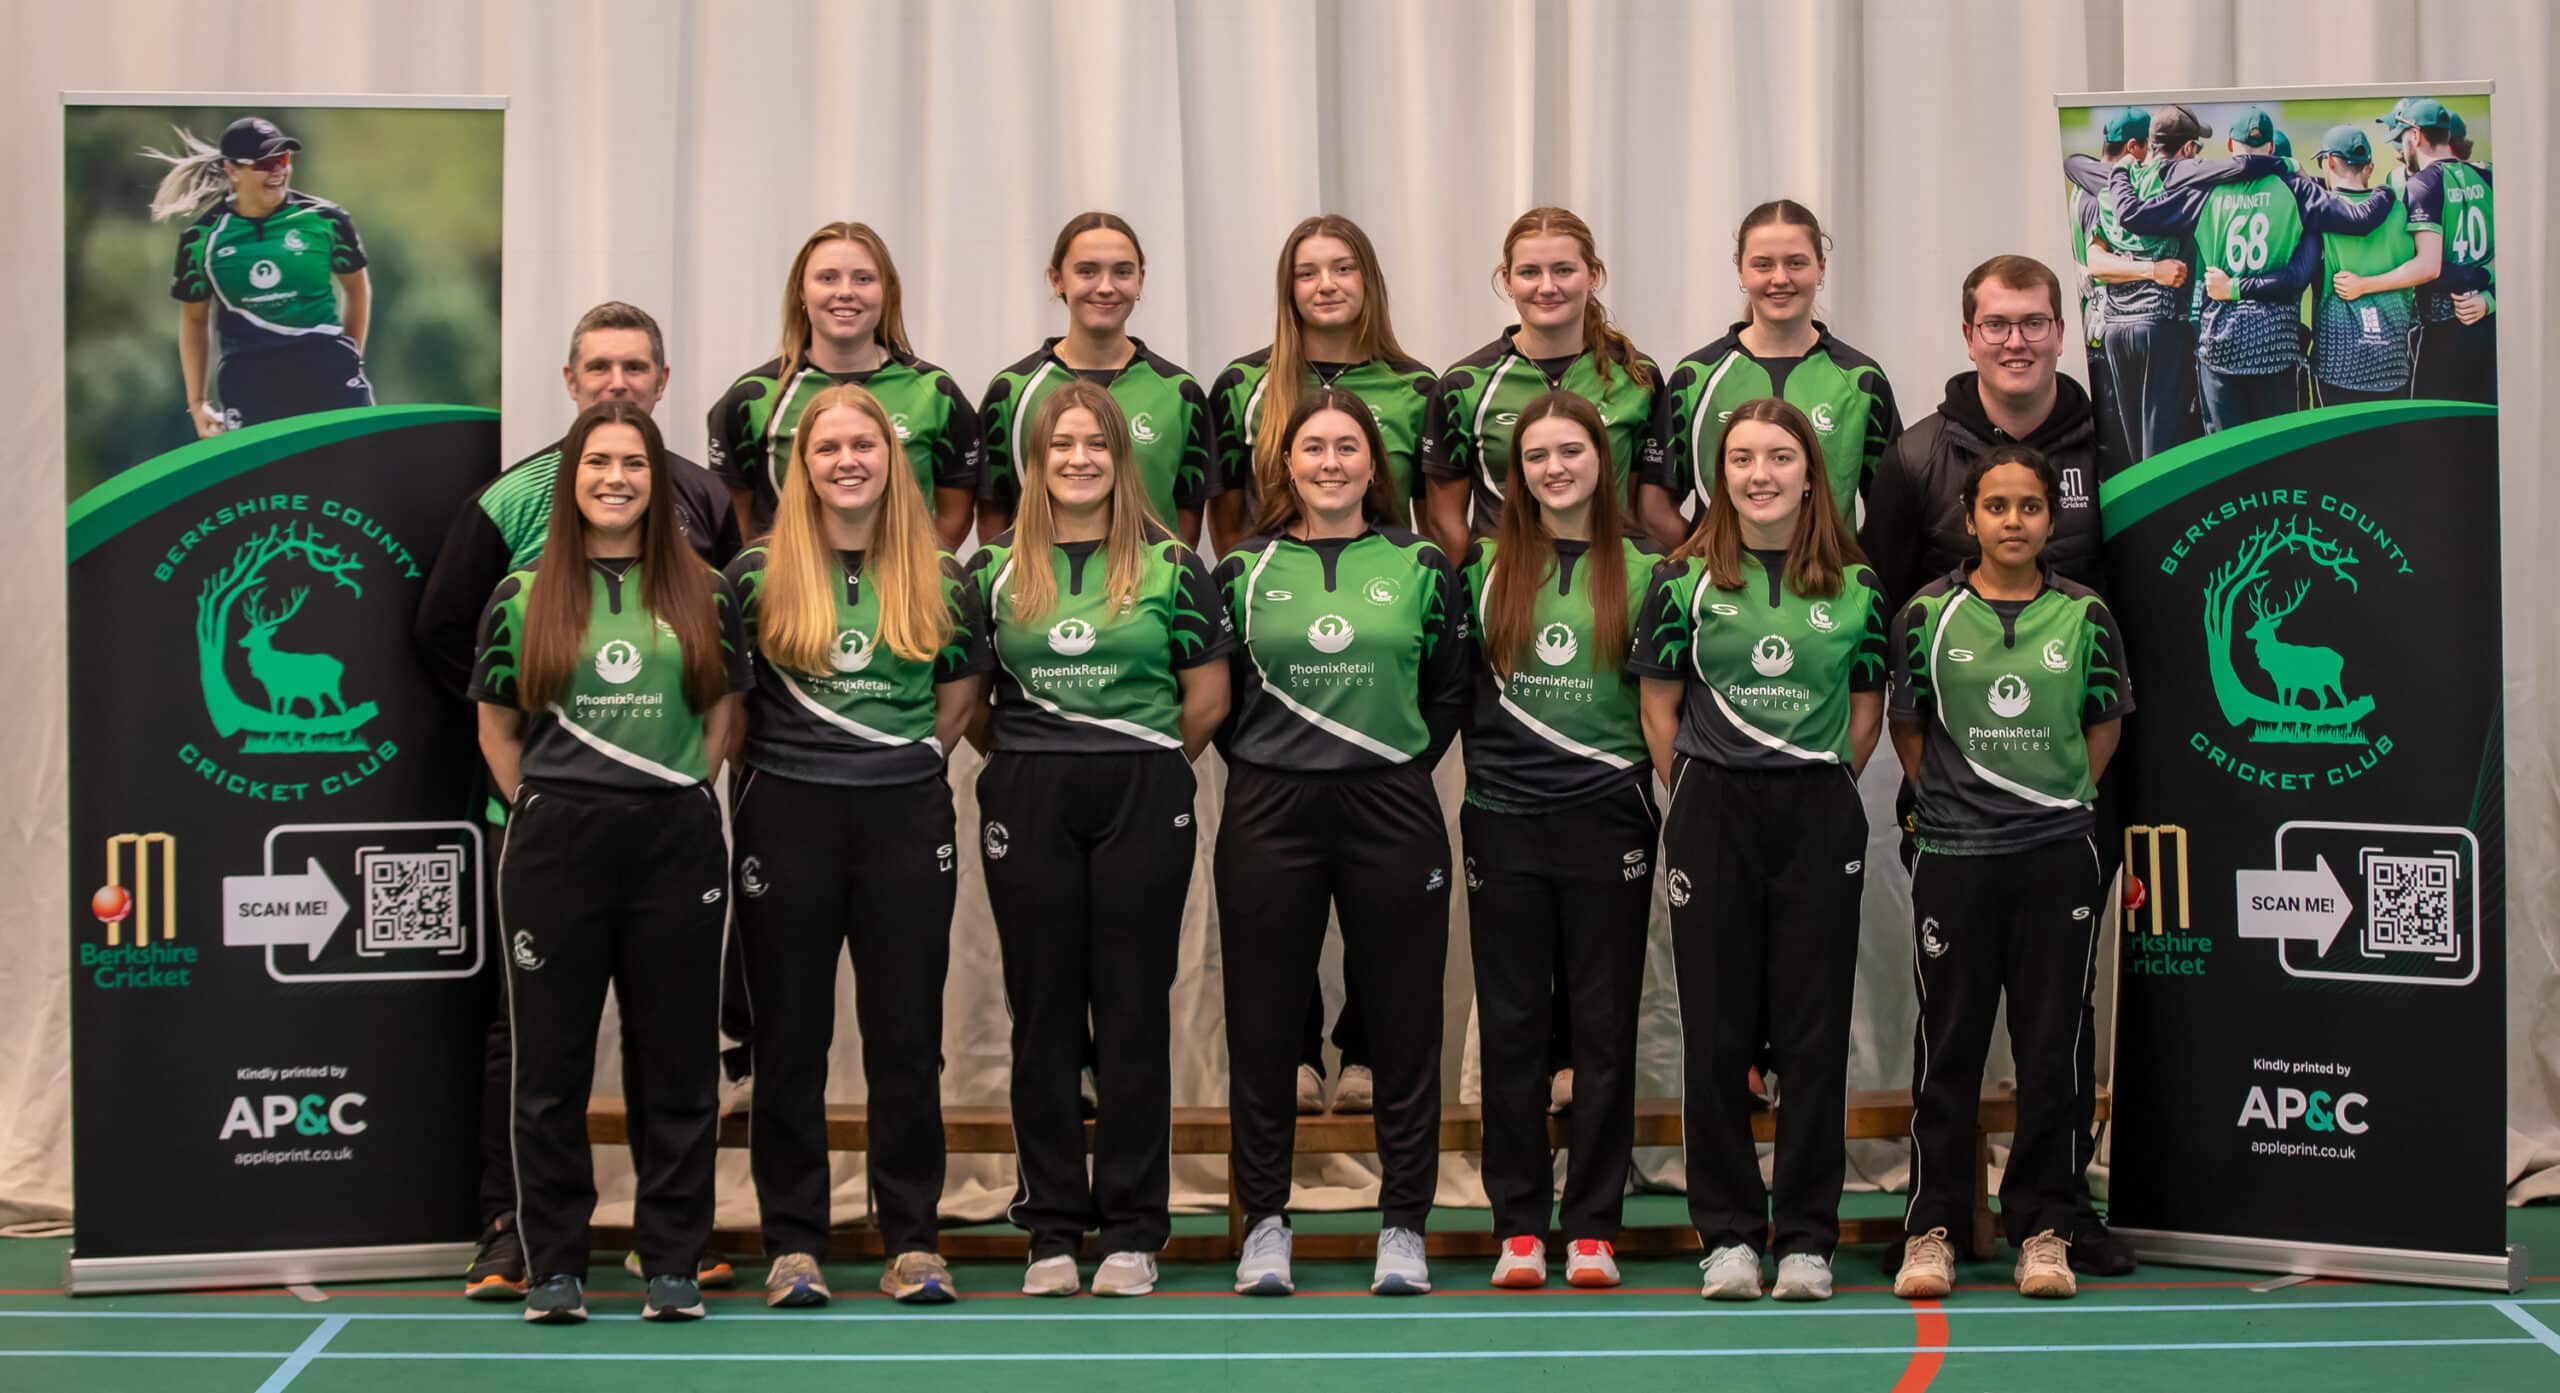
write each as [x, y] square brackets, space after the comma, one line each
[2136, 895]
[111, 904]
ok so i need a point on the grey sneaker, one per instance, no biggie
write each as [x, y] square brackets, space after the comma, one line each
[1803, 1277]
[556, 1300]
[1733, 1274]
[672, 1298]
[1125, 1274]
[794, 1281]
[1356, 1091]
[918, 1278]
[1401, 1270]
[1051, 1277]
[1264, 1270]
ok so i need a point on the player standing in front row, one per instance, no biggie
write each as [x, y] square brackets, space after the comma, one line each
[287, 271]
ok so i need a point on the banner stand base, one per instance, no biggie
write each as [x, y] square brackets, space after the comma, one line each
[272, 1268]
[2481, 1271]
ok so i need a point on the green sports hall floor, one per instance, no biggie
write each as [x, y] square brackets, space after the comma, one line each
[2164, 1328]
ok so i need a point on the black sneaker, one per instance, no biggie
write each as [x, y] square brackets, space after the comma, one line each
[673, 1298]
[556, 1300]
[497, 1271]
[2097, 1251]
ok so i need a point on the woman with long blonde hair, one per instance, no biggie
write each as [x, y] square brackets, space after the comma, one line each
[1110, 677]
[870, 658]
[844, 323]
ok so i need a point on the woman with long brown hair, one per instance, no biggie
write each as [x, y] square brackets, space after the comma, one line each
[1552, 274]
[1762, 649]
[1350, 682]
[1110, 677]
[870, 661]
[844, 323]
[1098, 271]
[1559, 826]
[608, 680]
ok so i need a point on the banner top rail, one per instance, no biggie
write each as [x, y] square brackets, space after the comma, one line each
[2343, 91]
[396, 100]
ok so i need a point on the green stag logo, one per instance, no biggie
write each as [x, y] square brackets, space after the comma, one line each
[291, 679]
[2311, 706]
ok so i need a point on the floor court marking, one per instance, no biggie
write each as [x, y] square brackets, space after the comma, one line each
[1929, 1329]
[303, 1354]
[1266, 1357]
[2514, 1311]
[1409, 1313]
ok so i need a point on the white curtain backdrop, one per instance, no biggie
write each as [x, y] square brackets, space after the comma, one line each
[673, 152]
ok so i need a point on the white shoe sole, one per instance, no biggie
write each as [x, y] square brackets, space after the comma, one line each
[1268, 1284]
[1398, 1284]
[1799, 1291]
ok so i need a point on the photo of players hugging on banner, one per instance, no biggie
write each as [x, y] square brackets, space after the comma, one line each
[2223, 281]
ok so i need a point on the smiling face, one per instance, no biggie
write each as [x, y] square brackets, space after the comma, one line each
[613, 482]
[1765, 475]
[840, 289]
[1080, 468]
[1549, 281]
[2009, 364]
[848, 459]
[1780, 269]
[1559, 463]
[1101, 279]
[616, 365]
[2011, 517]
[1326, 284]
[1329, 465]
[260, 182]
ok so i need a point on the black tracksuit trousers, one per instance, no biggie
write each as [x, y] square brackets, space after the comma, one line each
[1766, 868]
[1372, 846]
[601, 888]
[1088, 861]
[822, 870]
[1557, 903]
[2024, 923]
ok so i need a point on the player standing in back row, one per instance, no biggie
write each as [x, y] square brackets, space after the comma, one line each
[2453, 218]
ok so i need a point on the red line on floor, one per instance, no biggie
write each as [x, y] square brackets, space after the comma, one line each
[1929, 1353]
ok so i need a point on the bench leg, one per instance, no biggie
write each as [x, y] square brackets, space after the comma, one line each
[1235, 1221]
[1986, 1230]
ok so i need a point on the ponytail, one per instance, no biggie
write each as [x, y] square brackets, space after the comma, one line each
[195, 180]
[1600, 338]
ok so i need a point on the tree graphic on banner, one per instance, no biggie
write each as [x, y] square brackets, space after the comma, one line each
[2310, 708]
[290, 678]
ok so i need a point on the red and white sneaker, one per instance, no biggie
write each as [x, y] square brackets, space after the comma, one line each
[1523, 1264]
[1591, 1262]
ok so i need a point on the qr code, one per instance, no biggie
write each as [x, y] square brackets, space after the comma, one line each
[411, 900]
[2409, 906]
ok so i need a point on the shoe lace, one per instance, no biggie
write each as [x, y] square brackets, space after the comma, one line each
[1402, 1244]
[2047, 1247]
[1932, 1245]
[1268, 1240]
[1724, 1255]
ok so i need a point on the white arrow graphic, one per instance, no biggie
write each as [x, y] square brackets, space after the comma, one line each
[282, 911]
[2308, 905]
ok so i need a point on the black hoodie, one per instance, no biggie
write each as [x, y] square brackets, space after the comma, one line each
[1915, 530]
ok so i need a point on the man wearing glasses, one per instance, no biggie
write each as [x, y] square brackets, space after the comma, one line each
[1915, 531]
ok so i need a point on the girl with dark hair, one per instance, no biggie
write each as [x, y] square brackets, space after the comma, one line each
[1778, 349]
[1350, 681]
[1559, 825]
[1762, 649]
[608, 680]
[1099, 272]
[2008, 683]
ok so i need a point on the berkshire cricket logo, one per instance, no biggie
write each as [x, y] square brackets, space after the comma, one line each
[305, 710]
[2310, 705]
[115, 905]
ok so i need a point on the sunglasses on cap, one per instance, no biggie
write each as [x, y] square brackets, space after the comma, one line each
[268, 165]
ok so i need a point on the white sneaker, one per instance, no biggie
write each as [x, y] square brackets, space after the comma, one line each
[1310, 1091]
[1523, 1264]
[1125, 1274]
[1356, 1091]
[1928, 1267]
[1051, 1277]
[1264, 1270]
[1803, 1277]
[1590, 1262]
[1401, 1269]
[1733, 1274]
[2044, 1267]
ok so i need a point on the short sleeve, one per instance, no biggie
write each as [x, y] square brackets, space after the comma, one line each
[1660, 457]
[1202, 630]
[1867, 670]
[346, 249]
[2425, 196]
[732, 446]
[1192, 478]
[1911, 701]
[500, 649]
[187, 279]
[736, 659]
[1662, 636]
[999, 477]
[1229, 432]
[1445, 449]
[2108, 691]
[968, 652]
[962, 440]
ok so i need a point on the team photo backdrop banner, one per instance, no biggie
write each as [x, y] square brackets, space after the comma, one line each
[282, 331]
[2310, 1066]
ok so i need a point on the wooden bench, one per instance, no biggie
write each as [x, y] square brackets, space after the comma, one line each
[1882, 1114]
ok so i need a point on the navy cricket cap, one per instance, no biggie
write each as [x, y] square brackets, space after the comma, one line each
[255, 138]
[2132, 123]
[2254, 127]
[2347, 143]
